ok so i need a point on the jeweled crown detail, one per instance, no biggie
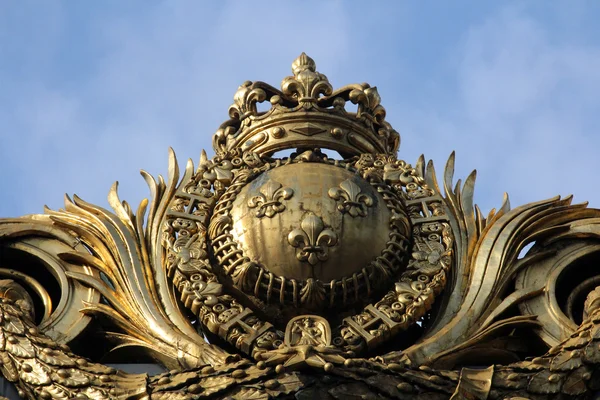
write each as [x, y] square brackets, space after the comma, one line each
[306, 113]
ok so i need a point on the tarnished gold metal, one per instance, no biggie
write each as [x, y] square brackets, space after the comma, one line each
[255, 276]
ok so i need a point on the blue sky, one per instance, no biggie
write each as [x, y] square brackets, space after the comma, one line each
[91, 92]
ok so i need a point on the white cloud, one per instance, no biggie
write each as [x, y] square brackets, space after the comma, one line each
[515, 102]
[525, 112]
[162, 78]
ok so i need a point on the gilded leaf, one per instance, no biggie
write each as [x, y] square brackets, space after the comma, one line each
[20, 347]
[34, 373]
[575, 383]
[54, 357]
[566, 361]
[170, 396]
[251, 394]
[214, 384]
[286, 384]
[8, 368]
[55, 392]
[591, 353]
[70, 377]
[545, 382]
[578, 341]
[94, 393]
[12, 324]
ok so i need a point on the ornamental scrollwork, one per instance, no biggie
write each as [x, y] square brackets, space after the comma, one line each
[255, 276]
[308, 330]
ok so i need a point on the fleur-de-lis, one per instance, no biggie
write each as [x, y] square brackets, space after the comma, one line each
[354, 202]
[312, 240]
[269, 202]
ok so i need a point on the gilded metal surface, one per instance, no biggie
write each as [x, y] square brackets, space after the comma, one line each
[323, 244]
[356, 277]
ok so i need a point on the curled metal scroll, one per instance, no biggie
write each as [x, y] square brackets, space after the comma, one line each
[29, 252]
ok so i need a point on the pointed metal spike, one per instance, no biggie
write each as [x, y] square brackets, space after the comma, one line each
[203, 157]
[430, 176]
[141, 211]
[67, 199]
[173, 165]
[449, 170]
[113, 196]
[420, 165]
[472, 175]
[150, 181]
[479, 219]
[505, 203]
[569, 198]
[468, 192]
[457, 187]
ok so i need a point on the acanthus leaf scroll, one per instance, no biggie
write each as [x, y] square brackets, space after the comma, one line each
[443, 286]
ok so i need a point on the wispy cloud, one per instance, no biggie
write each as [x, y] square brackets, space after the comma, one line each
[90, 95]
[525, 111]
[163, 77]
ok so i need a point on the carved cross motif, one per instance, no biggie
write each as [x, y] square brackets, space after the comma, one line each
[312, 240]
[353, 202]
[269, 201]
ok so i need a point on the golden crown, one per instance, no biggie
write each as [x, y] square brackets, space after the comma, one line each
[306, 113]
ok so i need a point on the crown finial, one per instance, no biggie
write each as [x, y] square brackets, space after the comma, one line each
[307, 84]
[303, 62]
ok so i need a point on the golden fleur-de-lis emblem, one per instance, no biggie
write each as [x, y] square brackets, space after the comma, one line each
[269, 201]
[312, 240]
[353, 202]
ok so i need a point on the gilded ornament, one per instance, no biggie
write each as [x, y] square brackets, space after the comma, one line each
[270, 200]
[277, 132]
[312, 240]
[308, 330]
[353, 202]
[322, 277]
